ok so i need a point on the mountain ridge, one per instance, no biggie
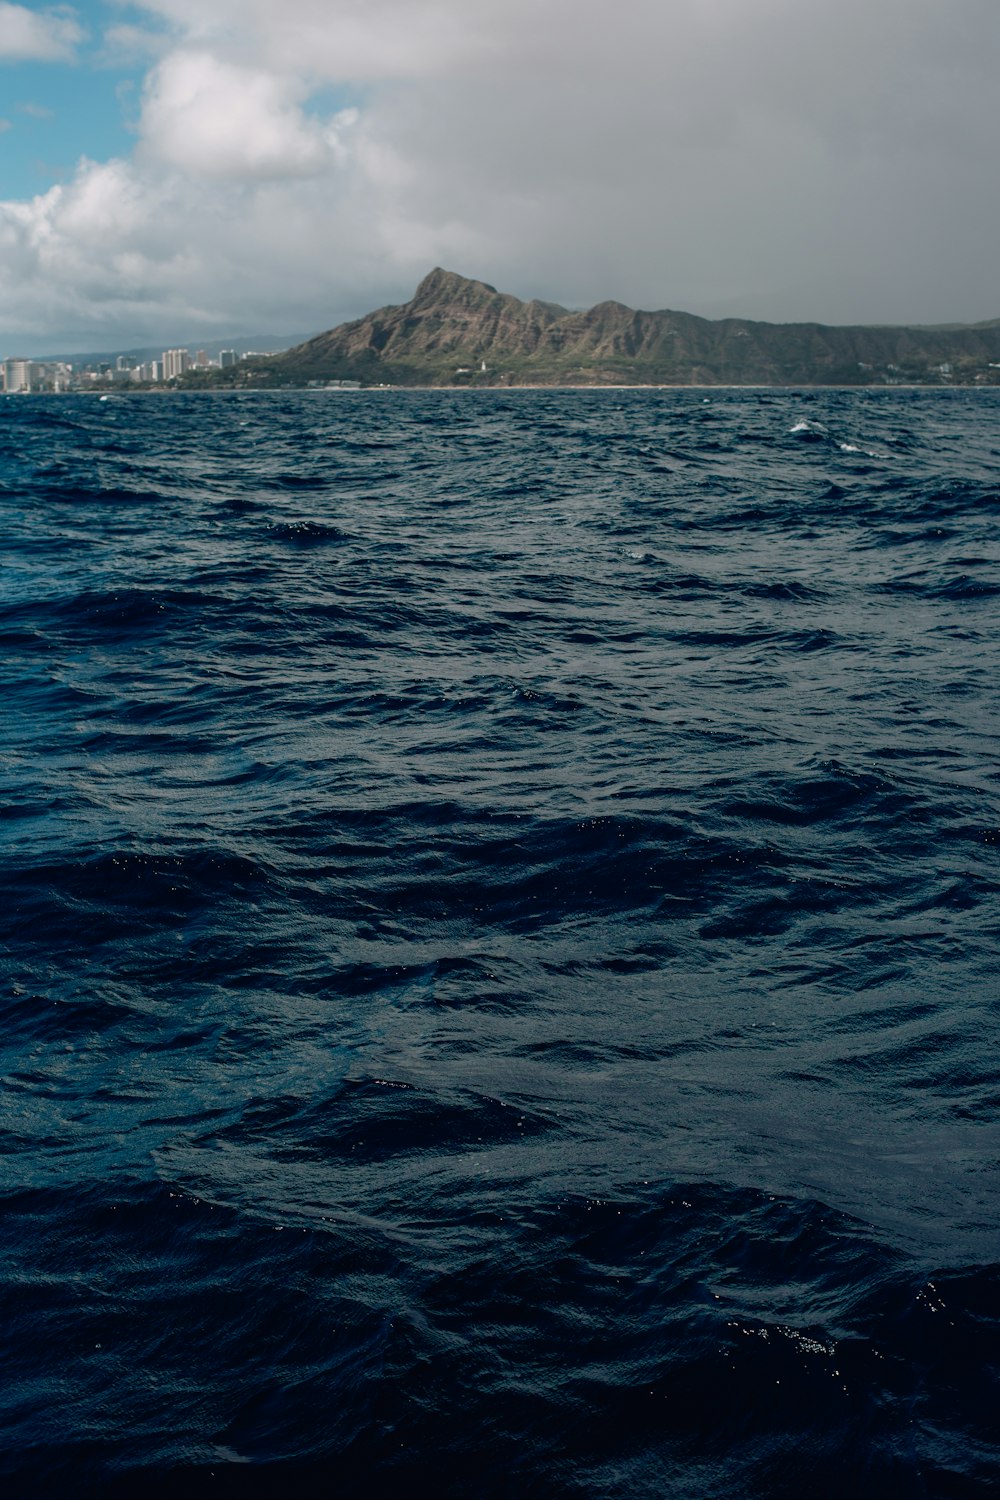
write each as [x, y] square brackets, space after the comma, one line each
[458, 331]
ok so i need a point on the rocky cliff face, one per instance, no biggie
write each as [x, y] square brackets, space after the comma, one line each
[452, 326]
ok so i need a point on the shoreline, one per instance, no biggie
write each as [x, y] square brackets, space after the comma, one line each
[369, 390]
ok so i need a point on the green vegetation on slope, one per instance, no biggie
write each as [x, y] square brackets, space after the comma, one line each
[456, 332]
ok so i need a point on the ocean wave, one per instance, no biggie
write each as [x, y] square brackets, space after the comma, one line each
[497, 944]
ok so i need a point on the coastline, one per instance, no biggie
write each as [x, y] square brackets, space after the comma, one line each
[473, 390]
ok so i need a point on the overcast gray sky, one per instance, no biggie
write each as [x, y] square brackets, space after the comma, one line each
[280, 165]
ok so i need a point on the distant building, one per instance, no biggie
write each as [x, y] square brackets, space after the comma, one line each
[22, 376]
[175, 362]
[227, 358]
[202, 360]
[17, 376]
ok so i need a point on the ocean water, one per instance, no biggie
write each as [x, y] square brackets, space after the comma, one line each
[498, 945]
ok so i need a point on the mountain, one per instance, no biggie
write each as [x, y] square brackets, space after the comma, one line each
[454, 327]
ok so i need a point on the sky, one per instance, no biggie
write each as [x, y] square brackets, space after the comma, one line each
[191, 169]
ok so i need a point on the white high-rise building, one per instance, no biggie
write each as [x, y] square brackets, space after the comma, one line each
[17, 376]
[175, 362]
[22, 376]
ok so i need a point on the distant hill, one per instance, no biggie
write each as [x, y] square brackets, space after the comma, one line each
[456, 332]
[262, 343]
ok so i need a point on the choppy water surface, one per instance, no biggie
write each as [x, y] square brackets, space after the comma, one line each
[498, 931]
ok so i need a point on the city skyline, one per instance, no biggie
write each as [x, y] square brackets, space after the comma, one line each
[23, 375]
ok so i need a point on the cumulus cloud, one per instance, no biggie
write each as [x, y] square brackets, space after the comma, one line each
[125, 254]
[361, 40]
[216, 119]
[43, 36]
[125, 44]
[298, 161]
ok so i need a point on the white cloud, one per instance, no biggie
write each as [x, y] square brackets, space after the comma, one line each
[351, 40]
[298, 161]
[128, 253]
[215, 119]
[126, 44]
[43, 36]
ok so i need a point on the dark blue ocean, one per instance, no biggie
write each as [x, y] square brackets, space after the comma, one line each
[499, 916]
